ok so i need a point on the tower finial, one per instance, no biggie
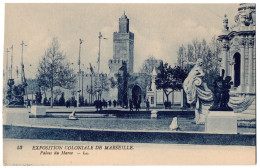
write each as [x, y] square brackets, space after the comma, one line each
[124, 16]
[225, 23]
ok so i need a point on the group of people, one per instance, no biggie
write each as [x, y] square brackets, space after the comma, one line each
[104, 104]
[132, 104]
[137, 105]
[69, 103]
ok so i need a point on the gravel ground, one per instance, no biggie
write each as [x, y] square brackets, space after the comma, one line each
[125, 122]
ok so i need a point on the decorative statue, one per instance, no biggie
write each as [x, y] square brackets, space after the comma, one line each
[15, 94]
[174, 125]
[225, 98]
[221, 93]
[218, 92]
[198, 92]
[72, 116]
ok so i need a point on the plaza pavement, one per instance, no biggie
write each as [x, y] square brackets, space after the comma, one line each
[90, 119]
[92, 109]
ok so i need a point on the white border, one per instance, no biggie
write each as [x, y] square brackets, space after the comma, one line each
[2, 18]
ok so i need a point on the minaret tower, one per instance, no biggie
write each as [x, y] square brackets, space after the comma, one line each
[123, 47]
[123, 24]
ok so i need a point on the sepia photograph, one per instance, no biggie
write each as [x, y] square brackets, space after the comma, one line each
[129, 84]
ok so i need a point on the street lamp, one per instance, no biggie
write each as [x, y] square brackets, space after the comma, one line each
[79, 74]
[11, 69]
[6, 73]
[23, 80]
[82, 80]
[99, 53]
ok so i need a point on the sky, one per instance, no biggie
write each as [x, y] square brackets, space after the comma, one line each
[159, 30]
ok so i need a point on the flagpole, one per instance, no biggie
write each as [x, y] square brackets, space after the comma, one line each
[79, 74]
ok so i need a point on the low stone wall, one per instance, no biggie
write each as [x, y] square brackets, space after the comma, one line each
[74, 134]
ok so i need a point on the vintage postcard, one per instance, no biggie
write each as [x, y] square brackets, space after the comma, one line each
[129, 84]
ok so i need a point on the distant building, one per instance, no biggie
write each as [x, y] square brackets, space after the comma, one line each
[121, 64]
[123, 54]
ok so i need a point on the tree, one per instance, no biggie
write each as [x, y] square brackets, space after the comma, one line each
[45, 101]
[38, 97]
[170, 79]
[149, 64]
[55, 101]
[62, 100]
[54, 70]
[81, 100]
[209, 52]
[147, 68]
[102, 84]
[122, 83]
[85, 102]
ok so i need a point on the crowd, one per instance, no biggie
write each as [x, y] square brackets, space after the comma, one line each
[132, 104]
[99, 104]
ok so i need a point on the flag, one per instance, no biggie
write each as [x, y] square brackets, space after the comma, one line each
[91, 68]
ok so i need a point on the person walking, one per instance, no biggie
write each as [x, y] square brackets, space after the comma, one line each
[28, 104]
[147, 105]
[138, 105]
[114, 102]
[131, 105]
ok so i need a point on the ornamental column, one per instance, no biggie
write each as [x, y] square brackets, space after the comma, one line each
[232, 71]
[250, 65]
[242, 44]
[224, 61]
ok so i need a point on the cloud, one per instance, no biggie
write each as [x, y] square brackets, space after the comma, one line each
[159, 29]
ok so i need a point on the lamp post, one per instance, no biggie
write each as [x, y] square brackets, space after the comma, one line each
[23, 80]
[99, 53]
[82, 79]
[82, 83]
[12, 48]
[79, 74]
[6, 77]
[6, 70]
[32, 83]
[91, 81]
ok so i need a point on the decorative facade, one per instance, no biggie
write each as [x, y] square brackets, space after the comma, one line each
[238, 57]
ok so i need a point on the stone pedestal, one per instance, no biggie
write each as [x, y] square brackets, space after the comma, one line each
[154, 114]
[38, 111]
[201, 114]
[223, 122]
[15, 116]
